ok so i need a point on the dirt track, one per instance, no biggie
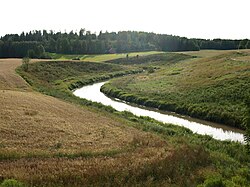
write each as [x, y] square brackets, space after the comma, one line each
[9, 80]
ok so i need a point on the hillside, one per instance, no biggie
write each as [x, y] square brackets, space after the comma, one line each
[212, 86]
[38, 135]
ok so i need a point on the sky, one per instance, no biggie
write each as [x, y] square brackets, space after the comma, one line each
[208, 19]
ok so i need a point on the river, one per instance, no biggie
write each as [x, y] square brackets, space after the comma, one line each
[217, 131]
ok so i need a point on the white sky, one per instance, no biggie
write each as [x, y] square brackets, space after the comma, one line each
[209, 19]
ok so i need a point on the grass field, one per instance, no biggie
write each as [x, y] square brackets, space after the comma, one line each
[213, 86]
[39, 134]
[78, 143]
[100, 58]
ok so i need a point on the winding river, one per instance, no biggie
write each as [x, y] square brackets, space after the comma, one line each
[217, 131]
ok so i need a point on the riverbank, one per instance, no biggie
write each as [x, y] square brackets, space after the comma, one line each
[212, 88]
[94, 94]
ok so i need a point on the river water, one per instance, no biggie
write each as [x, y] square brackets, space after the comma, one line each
[217, 131]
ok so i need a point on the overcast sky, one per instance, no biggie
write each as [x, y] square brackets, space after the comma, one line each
[209, 19]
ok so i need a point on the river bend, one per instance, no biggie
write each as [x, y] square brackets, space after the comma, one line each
[220, 132]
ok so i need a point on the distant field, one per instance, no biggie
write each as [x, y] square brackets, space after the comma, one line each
[100, 58]
[212, 53]
[207, 53]
[212, 86]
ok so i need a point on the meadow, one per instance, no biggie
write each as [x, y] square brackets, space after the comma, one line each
[78, 142]
[100, 57]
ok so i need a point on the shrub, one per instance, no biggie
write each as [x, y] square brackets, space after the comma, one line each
[214, 182]
[151, 70]
[26, 62]
[239, 181]
[11, 183]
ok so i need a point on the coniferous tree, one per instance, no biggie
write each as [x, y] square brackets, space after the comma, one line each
[1, 48]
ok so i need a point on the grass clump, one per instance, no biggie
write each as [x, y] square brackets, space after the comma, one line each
[11, 183]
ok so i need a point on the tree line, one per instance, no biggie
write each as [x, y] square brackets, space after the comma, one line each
[34, 44]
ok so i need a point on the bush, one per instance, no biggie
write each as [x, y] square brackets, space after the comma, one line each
[151, 70]
[26, 62]
[239, 181]
[214, 182]
[11, 183]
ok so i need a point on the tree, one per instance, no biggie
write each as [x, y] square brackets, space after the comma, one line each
[81, 34]
[26, 62]
[51, 47]
[1, 48]
[100, 36]
[31, 53]
[14, 45]
[242, 44]
[39, 51]
[248, 45]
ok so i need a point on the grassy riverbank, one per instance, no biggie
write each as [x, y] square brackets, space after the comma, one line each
[211, 87]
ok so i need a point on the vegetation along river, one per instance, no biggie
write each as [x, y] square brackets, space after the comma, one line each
[217, 131]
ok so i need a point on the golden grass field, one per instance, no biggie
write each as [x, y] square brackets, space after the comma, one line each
[35, 127]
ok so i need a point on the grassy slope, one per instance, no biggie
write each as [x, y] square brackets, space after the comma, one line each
[140, 158]
[47, 141]
[99, 58]
[213, 87]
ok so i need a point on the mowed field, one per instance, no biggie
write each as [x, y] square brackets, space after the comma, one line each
[40, 134]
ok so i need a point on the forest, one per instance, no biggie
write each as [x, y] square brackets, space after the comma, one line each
[38, 44]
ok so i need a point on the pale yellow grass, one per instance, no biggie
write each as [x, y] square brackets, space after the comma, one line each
[81, 170]
[34, 128]
[30, 121]
[212, 53]
[34, 122]
[9, 80]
